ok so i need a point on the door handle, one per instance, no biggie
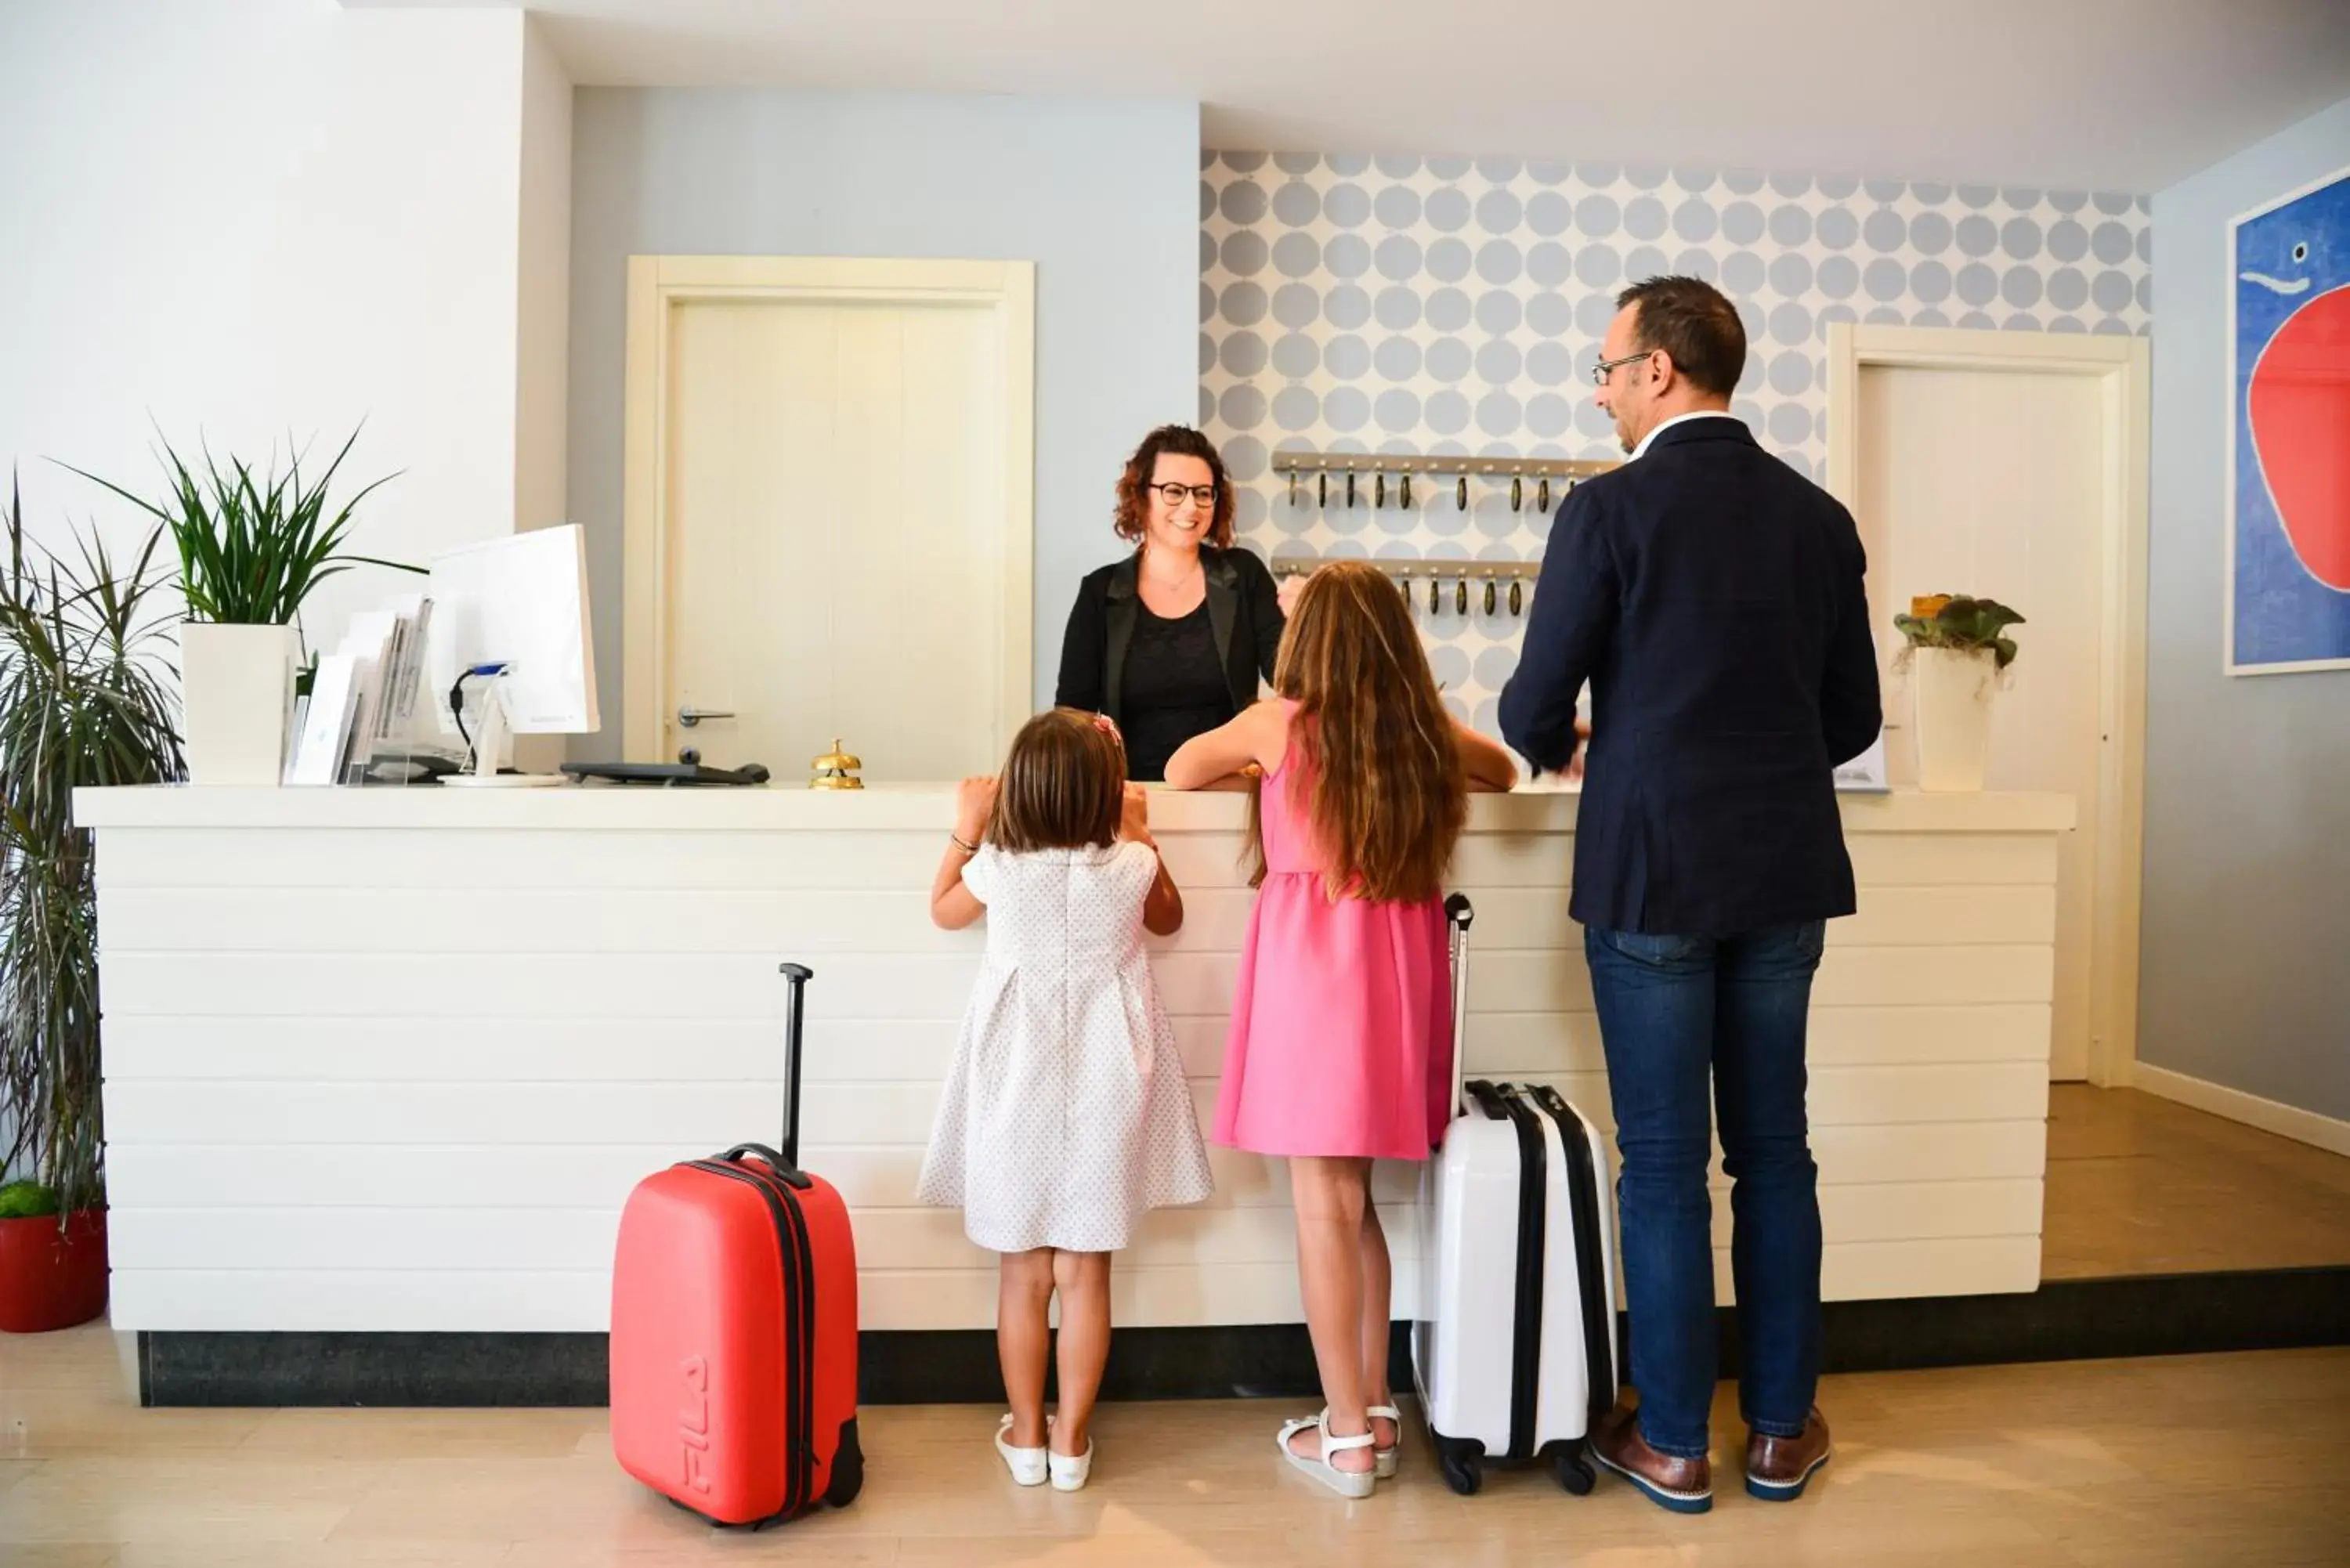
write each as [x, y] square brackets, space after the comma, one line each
[690, 717]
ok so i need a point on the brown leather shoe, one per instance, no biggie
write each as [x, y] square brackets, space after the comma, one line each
[1685, 1486]
[1778, 1469]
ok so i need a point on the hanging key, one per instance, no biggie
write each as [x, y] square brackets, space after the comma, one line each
[1460, 494]
[1435, 605]
[1350, 487]
[1541, 496]
[1517, 493]
[1322, 489]
[1517, 599]
[1379, 489]
[1460, 596]
[1489, 596]
[1293, 487]
[1407, 492]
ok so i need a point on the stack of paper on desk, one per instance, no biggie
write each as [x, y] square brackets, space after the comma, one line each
[362, 697]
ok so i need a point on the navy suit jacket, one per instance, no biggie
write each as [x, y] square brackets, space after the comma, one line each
[1714, 599]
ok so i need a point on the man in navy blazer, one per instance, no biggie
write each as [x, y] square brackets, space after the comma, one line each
[1713, 599]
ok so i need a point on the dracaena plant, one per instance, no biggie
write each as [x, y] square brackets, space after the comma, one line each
[1958, 622]
[86, 699]
[253, 547]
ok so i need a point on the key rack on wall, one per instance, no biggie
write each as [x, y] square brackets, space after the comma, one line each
[1348, 479]
[1448, 581]
[1532, 479]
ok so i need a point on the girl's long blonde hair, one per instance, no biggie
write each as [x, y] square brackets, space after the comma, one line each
[1370, 740]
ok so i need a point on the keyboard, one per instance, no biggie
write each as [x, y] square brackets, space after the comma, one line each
[668, 776]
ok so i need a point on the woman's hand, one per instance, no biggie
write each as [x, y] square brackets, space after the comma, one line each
[1134, 816]
[1286, 592]
[975, 803]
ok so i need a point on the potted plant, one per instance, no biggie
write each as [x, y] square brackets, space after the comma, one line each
[85, 700]
[251, 551]
[1959, 645]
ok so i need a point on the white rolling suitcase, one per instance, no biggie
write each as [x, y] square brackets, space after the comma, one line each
[1514, 1351]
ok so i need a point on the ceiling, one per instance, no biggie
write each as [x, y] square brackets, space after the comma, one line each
[2099, 94]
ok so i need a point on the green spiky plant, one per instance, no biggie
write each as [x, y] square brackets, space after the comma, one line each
[253, 547]
[86, 699]
[1966, 624]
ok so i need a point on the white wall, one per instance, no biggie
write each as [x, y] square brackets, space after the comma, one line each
[544, 302]
[1100, 195]
[242, 218]
[2247, 816]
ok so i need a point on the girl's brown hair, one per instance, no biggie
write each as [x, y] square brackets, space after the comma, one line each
[1388, 794]
[1134, 485]
[1063, 785]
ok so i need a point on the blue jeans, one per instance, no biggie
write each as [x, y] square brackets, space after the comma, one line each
[1674, 1011]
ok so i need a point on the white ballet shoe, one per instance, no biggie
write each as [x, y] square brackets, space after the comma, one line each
[1028, 1466]
[1345, 1483]
[1383, 1463]
[1070, 1471]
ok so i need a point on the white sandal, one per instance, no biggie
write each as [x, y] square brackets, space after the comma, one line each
[1345, 1483]
[1029, 1467]
[1384, 1465]
[1070, 1471]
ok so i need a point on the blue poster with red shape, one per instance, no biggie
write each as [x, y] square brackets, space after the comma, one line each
[2288, 435]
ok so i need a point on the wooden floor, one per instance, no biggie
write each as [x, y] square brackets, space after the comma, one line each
[2200, 1461]
[2142, 1185]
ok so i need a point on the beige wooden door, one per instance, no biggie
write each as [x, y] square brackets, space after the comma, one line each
[1990, 482]
[835, 533]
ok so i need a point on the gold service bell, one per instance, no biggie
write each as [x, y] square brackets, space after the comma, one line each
[836, 770]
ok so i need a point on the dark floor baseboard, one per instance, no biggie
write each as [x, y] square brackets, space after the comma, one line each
[2068, 1320]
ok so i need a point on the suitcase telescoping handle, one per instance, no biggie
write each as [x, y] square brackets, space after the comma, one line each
[1458, 914]
[786, 1161]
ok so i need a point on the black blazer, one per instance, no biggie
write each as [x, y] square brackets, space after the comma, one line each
[1243, 611]
[1714, 599]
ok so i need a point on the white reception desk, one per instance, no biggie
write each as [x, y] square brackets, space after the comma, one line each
[391, 1060]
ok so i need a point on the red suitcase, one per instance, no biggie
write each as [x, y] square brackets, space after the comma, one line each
[734, 1348]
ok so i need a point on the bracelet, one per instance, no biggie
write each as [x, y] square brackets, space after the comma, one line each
[958, 844]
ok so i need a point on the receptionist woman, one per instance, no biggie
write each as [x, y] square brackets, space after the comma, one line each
[1171, 641]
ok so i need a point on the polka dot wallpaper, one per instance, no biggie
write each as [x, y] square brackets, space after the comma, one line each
[1454, 305]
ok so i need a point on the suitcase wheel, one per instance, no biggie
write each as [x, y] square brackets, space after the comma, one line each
[849, 1469]
[1462, 1462]
[1573, 1471]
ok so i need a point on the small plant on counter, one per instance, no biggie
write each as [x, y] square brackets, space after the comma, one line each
[1961, 623]
[253, 547]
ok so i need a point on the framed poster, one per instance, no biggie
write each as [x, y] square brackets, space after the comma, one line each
[2288, 604]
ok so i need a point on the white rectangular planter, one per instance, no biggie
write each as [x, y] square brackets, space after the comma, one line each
[1953, 688]
[237, 685]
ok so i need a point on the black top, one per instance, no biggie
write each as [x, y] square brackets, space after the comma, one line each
[1245, 621]
[1714, 598]
[1175, 688]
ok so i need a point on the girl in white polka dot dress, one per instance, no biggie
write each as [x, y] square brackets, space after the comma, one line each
[1065, 1114]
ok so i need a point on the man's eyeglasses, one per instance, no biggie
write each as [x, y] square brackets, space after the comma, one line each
[1599, 372]
[1173, 494]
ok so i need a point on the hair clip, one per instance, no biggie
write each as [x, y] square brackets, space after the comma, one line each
[1109, 726]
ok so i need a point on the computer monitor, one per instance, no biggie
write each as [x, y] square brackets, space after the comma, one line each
[519, 603]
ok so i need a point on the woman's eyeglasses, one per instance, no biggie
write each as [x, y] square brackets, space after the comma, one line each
[1173, 494]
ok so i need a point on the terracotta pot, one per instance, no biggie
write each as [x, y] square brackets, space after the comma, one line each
[51, 1278]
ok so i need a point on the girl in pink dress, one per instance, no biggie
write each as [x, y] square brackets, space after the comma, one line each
[1340, 1050]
